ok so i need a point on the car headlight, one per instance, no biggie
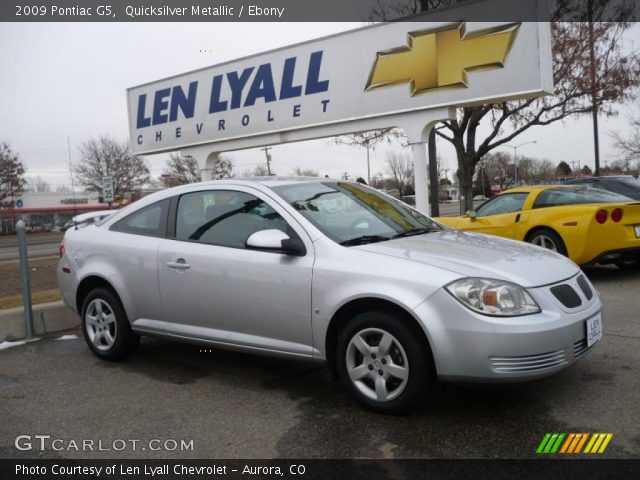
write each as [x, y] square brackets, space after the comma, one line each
[493, 297]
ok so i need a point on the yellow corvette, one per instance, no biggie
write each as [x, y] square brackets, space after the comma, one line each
[588, 225]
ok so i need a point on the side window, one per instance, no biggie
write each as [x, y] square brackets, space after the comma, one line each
[225, 218]
[150, 221]
[505, 203]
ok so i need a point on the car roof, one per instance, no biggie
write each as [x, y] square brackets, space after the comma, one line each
[267, 181]
[261, 183]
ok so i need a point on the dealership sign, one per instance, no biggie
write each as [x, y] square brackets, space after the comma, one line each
[380, 70]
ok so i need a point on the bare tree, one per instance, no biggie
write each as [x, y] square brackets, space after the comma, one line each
[260, 170]
[369, 140]
[181, 170]
[63, 189]
[222, 168]
[305, 172]
[103, 156]
[544, 170]
[12, 180]
[400, 167]
[39, 184]
[629, 146]
[498, 169]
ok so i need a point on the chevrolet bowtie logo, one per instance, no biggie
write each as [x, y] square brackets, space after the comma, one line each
[442, 58]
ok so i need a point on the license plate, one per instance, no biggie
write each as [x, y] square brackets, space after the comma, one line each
[637, 227]
[594, 330]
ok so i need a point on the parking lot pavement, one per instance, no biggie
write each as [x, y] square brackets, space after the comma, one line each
[235, 405]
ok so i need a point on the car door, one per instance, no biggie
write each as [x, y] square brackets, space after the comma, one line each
[497, 216]
[132, 254]
[214, 288]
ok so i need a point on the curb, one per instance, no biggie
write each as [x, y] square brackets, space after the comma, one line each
[47, 318]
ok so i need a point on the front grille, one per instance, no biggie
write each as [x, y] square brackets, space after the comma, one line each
[567, 296]
[528, 363]
[584, 286]
[580, 348]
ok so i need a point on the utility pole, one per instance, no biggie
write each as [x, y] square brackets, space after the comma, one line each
[594, 102]
[368, 164]
[345, 176]
[515, 159]
[268, 155]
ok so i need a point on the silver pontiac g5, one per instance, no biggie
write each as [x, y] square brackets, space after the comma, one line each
[330, 271]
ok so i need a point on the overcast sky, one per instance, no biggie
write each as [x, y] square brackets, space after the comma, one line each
[69, 80]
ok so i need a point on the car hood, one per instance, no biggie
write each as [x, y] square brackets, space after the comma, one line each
[478, 255]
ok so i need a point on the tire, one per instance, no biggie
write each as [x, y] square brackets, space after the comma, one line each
[105, 326]
[394, 382]
[547, 238]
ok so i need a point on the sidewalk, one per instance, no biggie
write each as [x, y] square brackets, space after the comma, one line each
[47, 318]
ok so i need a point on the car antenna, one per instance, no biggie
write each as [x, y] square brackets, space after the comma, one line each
[73, 188]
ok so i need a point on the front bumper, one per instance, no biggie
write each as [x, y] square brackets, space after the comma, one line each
[468, 346]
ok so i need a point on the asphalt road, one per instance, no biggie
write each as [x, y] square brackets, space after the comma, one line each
[241, 406]
[38, 245]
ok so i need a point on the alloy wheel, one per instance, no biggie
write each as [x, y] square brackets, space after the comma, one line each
[377, 364]
[544, 241]
[101, 324]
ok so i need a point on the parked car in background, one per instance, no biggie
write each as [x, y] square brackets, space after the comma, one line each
[589, 225]
[328, 271]
[626, 185]
[88, 218]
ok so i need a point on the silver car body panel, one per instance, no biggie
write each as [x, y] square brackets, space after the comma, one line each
[272, 303]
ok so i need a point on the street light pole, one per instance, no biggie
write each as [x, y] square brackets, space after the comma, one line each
[515, 158]
[594, 100]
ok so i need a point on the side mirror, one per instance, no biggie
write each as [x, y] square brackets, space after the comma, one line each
[472, 214]
[276, 240]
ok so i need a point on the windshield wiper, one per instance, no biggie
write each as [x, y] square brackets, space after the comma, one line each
[415, 231]
[364, 239]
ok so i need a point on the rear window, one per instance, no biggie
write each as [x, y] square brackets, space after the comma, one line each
[150, 221]
[577, 196]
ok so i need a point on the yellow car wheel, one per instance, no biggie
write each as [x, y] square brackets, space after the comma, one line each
[547, 238]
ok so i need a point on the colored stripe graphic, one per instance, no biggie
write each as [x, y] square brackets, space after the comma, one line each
[567, 443]
[581, 442]
[550, 443]
[598, 442]
[574, 442]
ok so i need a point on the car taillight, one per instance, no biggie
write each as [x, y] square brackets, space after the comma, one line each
[601, 216]
[61, 249]
[616, 215]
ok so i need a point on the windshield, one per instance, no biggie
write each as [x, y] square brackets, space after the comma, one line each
[348, 212]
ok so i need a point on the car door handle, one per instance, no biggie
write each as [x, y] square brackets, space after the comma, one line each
[179, 264]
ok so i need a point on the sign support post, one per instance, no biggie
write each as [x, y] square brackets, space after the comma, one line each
[420, 173]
